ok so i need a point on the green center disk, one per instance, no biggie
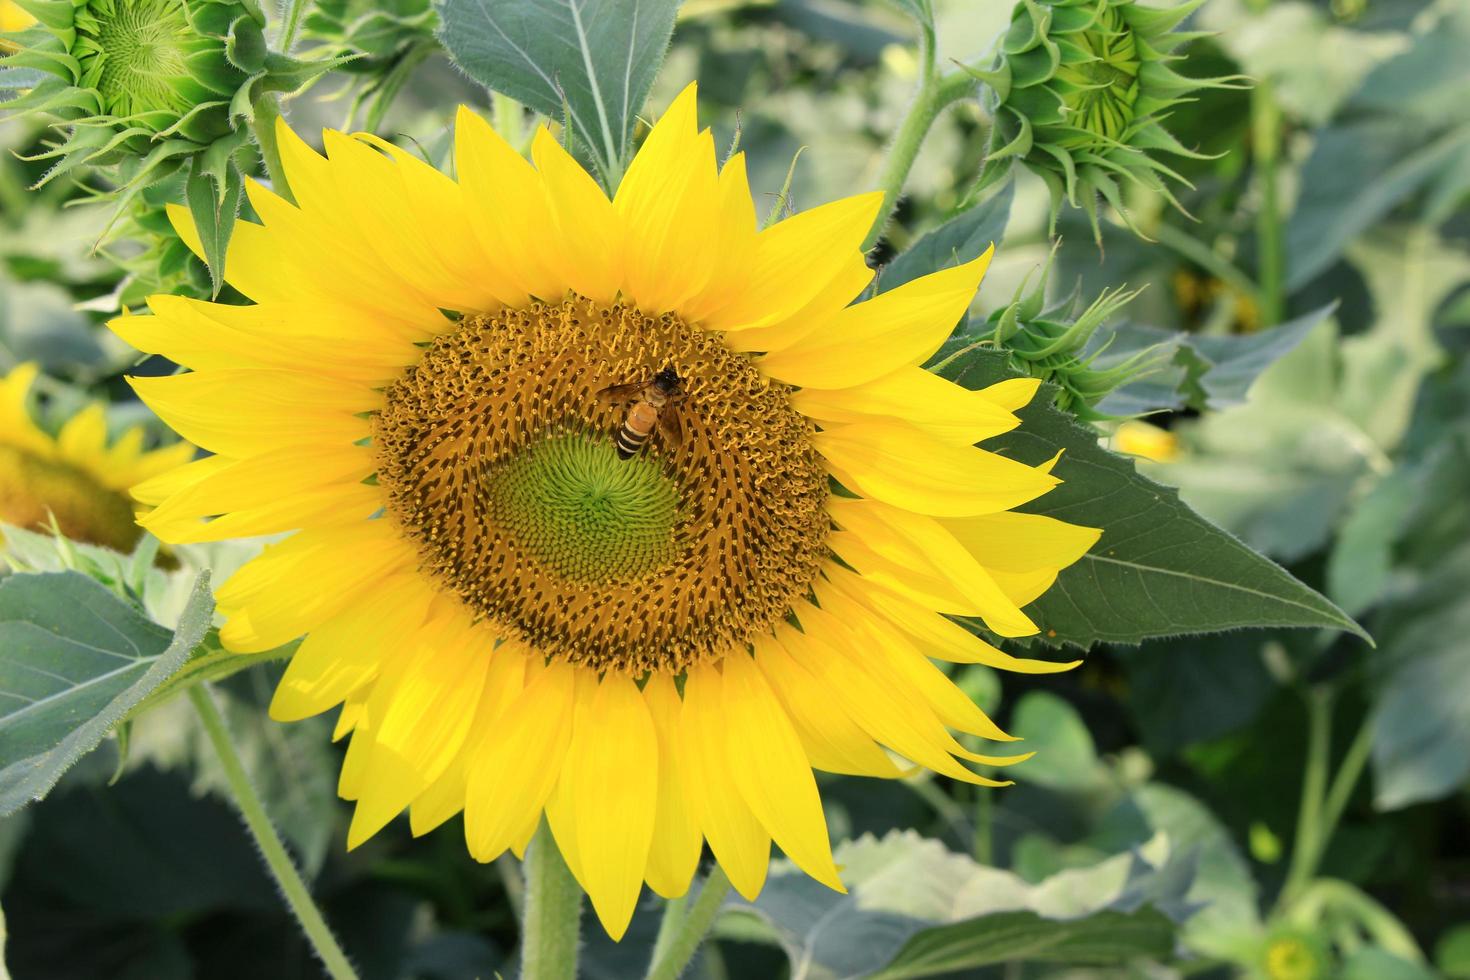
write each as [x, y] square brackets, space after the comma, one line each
[583, 512]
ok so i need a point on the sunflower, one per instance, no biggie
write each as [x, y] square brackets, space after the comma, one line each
[74, 477]
[654, 652]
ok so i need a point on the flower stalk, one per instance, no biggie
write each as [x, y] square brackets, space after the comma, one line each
[551, 921]
[684, 928]
[934, 94]
[288, 879]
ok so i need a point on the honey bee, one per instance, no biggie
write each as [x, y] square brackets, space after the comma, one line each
[650, 404]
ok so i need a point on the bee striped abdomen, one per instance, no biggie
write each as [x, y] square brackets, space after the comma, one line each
[636, 429]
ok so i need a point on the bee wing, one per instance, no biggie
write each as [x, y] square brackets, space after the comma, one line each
[670, 427]
[614, 394]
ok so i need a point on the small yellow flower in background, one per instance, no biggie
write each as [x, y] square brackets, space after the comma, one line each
[656, 651]
[1295, 955]
[75, 476]
[1135, 438]
[12, 18]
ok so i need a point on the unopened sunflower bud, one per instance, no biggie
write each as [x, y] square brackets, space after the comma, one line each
[141, 86]
[1079, 92]
[1059, 345]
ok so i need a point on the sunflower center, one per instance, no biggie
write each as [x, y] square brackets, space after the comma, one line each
[500, 462]
[134, 53]
[1101, 88]
[34, 490]
[582, 512]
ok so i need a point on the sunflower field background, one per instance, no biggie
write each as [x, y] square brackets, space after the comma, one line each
[1232, 240]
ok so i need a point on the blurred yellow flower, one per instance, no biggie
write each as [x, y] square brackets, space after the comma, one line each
[653, 651]
[75, 476]
[13, 18]
[1136, 438]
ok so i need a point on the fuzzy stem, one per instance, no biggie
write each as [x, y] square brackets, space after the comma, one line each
[933, 96]
[1270, 244]
[1307, 848]
[671, 957]
[295, 12]
[551, 924]
[288, 879]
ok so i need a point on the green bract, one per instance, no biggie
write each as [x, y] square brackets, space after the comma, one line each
[386, 40]
[1079, 92]
[1056, 344]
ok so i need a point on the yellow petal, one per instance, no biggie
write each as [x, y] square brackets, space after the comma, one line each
[850, 281]
[611, 771]
[516, 768]
[670, 202]
[797, 259]
[243, 412]
[900, 465]
[505, 201]
[921, 544]
[157, 489]
[940, 408]
[276, 491]
[1014, 542]
[736, 836]
[427, 719]
[735, 243]
[347, 651]
[296, 585]
[949, 704]
[674, 855]
[936, 636]
[772, 772]
[504, 681]
[832, 740]
[896, 329]
[1012, 394]
[878, 698]
[84, 436]
[15, 415]
[590, 230]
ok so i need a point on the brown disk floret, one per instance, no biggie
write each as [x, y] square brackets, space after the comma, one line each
[748, 531]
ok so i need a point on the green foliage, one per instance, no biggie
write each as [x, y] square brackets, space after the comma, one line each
[1160, 569]
[915, 909]
[589, 63]
[74, 659]
[1231, 784]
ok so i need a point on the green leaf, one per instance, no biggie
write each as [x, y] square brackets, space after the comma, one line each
[915, 909]
[1356, 175]
[1191, 690]
[209, 662]
[1160, 569]
[1207, 371]
[1006, 937]
[1065, 759]
[214, 202]
[1421, 720]
[961, 239]
[598, 58]
[74, 659]
[1452, 953]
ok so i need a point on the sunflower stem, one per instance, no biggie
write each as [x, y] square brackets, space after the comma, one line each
[551, 921]
[1307, 847]
[934, 94]
[295, 12]
[288, 879]
[1270, 247]
[672, 955]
